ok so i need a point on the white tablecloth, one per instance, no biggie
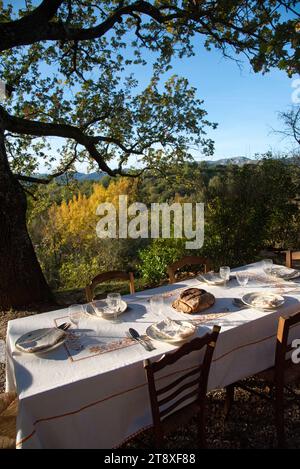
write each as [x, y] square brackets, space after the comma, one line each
[97, 396]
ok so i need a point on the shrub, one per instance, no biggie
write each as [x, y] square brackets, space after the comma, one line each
[157, 256]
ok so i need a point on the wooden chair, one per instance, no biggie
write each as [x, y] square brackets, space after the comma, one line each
[113, 274]
[283, 373]
[168, 418]
[291, 256]
[8, 415]
[187, 260]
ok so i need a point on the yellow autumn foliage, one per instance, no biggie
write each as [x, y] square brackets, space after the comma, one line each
[74, 222]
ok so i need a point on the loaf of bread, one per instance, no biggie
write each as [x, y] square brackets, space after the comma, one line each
[193, 300]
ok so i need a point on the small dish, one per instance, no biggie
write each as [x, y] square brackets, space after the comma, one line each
[212, 278]
[159, 331]
[264, 301]
[99, 309]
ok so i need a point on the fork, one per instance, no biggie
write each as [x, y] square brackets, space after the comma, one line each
[65, 326]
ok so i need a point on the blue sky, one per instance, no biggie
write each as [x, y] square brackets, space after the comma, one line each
[244, 104]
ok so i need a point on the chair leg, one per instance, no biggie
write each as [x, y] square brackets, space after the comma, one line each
[229, 399]
[279, 417]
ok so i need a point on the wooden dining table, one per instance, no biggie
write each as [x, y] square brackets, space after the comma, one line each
[91, 392]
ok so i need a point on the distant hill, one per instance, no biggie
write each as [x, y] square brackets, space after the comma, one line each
[96, 176]
[238, 160]
[89, 176]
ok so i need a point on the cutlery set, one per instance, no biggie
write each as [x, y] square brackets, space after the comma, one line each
[145, 342]
[65, 326]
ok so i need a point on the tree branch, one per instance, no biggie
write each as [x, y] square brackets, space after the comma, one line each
[41, 129]
[36, 180]
[36, 27]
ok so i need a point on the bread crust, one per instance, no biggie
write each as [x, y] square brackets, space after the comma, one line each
[193, 300]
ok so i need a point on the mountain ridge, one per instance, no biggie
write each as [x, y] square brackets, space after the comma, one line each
[236, 160]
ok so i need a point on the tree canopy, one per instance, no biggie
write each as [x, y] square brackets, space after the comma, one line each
[71, 67]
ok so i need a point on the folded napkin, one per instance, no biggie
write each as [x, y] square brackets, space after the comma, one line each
[285, 273]
[40, 339]
[177, 331]
[266, 302]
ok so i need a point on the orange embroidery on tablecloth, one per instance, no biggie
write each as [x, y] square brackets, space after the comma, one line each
[76, 351]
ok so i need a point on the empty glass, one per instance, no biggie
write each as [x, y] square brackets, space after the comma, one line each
[114, 302]
[156, 305]
[75, 313]
[225, 274]
[267, 266]
[242, 278]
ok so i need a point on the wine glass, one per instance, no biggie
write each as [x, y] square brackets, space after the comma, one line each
[242, 278]
[267, 266]
[114, 301]
[75, 313]
[156, 305]
[225, 274]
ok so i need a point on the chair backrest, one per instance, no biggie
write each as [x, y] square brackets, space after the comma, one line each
[112, 275]
[187, 260]
[284, 345]
[165, 400]
[291, 256]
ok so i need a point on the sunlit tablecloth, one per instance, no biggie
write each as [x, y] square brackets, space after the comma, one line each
[92, 393]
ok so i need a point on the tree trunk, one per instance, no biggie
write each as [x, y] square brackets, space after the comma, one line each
[21, 279]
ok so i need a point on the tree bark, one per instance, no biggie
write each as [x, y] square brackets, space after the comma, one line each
[21, 279]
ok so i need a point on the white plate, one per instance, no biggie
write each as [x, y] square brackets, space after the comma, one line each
[35, 334]
[250, 299]
[212, 278]
[285, 273]
[99, 309]
[154, 333]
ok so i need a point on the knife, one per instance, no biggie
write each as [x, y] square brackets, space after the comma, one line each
[136, 336]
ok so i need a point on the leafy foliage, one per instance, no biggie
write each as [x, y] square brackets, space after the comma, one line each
[247, 209]
[156, 258]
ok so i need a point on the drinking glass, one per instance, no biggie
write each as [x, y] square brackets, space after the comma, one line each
[75, 313]
[225, 274]
[114, 301]
[267, 266]
[242, 278]
[156, 305]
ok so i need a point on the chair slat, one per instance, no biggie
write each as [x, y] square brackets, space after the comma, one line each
[178, 381]
[178, 391]
[186, 261]
[111, 275]
[188, 347]
[178, 402]
[291, 256]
